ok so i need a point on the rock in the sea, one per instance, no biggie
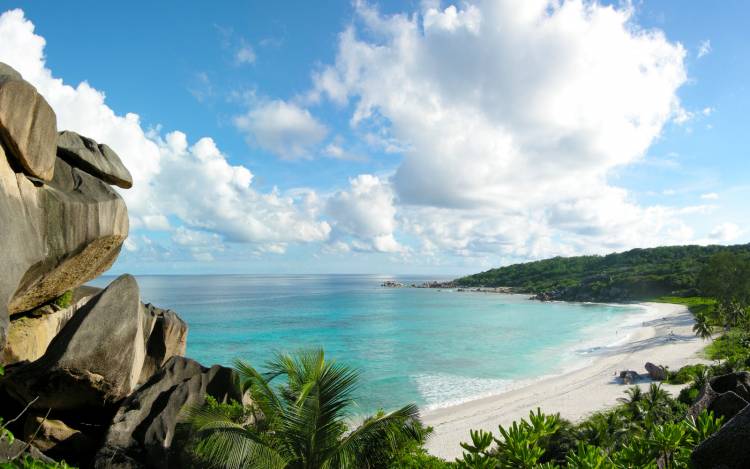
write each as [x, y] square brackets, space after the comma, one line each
[655, 372]
[95, 158]
[55, 236]
[143, 429]
[55, 438]
[28, 125]
[167, 338]
[30, 335]
[724, 395]
[95, 360]
[629, 377]
[727, 448]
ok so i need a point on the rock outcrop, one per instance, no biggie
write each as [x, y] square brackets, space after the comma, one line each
[103, 375]
[94, 158]
[656, 372]
[144, 427]
[95, 360]
[167, 338]
[629, 377]
[727, 448]
[30, 335]
[724, 395]
[27, 125]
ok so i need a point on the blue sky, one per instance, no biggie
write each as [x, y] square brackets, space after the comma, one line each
[402, 137]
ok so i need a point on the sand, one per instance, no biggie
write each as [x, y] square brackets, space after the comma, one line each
[666, 340]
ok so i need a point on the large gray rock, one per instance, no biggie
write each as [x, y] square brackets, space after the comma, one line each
[55, 438]
[30, 335]
[95, 360]
[55, 236]
[95, 158]
[724, 395]
[167, 338]
[18, 450]
[727, 448]
[655, 372]
[10, 72]
[143, 429]
[28, 125]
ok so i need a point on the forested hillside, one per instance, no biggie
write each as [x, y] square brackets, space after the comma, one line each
[635, 274]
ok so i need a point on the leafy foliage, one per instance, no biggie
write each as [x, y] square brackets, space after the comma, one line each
[64, 300]
[635, 274]
[301, 423]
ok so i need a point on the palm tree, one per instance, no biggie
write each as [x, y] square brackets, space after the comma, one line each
[303, 421]
[632, 403]
[656, 404]
[702, 328]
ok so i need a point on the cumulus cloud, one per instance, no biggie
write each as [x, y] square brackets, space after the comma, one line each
[244, 54]
[366, 211]
[725, 232]
[710, 196]
[193, 184]
[282, 128]
[512, 114]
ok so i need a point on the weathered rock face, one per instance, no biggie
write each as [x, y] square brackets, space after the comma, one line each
[629, 377]
[96, 159]
[167, 338]
[62, 234]
[54, 437]
[727, 448]
[655, 372]
[18, 450]
[724, 395]
[144, 427]
[95, 360]
[29, 336]
[27, 125]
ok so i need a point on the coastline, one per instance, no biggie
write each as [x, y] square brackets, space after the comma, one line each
[666, 339]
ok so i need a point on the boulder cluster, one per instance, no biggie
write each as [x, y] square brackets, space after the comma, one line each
[92, 376]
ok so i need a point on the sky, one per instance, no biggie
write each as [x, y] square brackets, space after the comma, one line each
[402, 137]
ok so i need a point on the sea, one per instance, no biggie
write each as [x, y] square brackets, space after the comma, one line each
[432, 347]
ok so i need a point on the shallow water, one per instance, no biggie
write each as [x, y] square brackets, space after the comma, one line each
[431, 347]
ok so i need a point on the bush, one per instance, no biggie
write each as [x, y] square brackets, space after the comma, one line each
[686, 374]
[64, 300]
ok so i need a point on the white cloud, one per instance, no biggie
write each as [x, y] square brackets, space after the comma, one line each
[195, 184]
[704, 48]
[282, 128]
[710, 196]
[725, 232]
[244, 54]
[367, 212]
[511, 115]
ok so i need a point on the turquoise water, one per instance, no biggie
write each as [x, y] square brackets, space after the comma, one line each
[434, 348]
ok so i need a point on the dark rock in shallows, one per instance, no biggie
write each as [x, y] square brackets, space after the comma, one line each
[28, 125]
[97, 159]
[655, 372]
[728, 448]
[143, 429]
[95, 360]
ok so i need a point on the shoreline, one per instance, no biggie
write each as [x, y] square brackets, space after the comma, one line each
[664, 339]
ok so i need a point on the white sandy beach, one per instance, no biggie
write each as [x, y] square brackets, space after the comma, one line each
[667, 340]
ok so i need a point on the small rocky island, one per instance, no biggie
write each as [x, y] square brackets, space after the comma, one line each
[94, 377]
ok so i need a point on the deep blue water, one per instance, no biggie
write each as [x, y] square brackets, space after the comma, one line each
[412, 345]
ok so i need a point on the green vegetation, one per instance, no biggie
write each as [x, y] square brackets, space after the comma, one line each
[64, 300]
[636, 274]
[302, 422]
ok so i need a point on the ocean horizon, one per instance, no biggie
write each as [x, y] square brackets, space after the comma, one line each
[432, 347]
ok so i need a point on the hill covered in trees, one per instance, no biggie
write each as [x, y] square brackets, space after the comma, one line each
[631, 275]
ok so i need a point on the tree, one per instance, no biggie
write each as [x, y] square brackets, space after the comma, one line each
[726, 277]
[302, 422]
[701, 327]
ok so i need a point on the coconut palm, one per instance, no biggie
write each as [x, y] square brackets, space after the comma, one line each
[701, 327]
[656, 404]
[304, 419]
[632, 403]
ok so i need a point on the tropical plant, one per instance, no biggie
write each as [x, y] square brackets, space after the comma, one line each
[302, 422]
